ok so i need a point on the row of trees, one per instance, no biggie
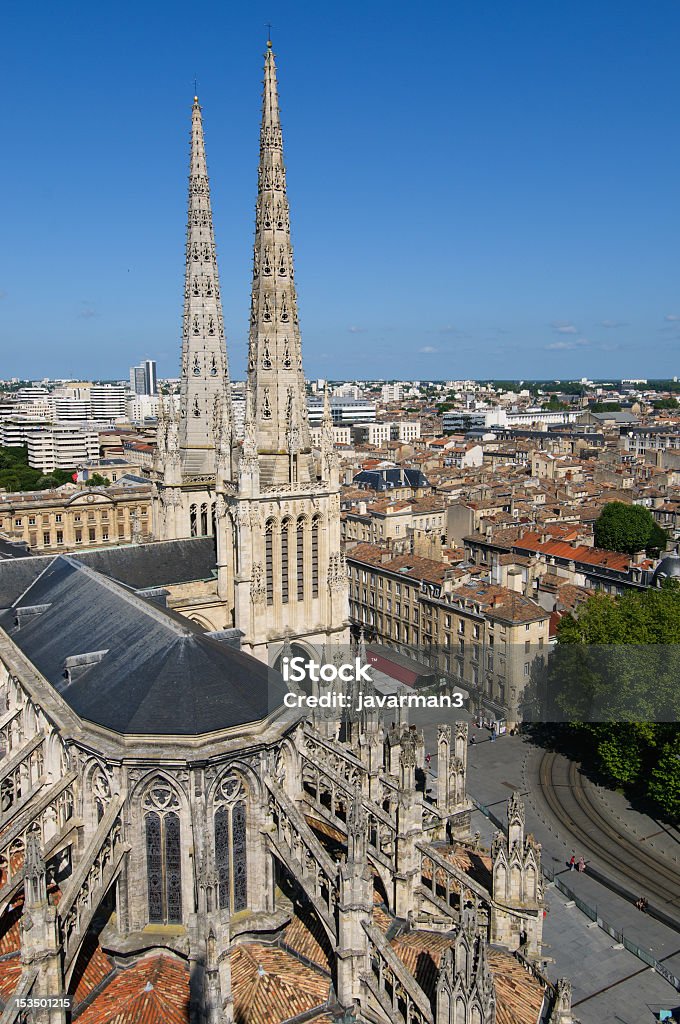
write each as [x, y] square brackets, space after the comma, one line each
[613, 685]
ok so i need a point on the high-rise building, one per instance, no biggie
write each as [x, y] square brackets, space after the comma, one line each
[143, 378]
[108, 402]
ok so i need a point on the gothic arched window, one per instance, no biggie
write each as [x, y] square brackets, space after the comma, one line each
[231, 857]
[204, 520]
[193, 520]
[163, 854]
[300, 552]
[269, 559]
[315, 556]
[285, 537]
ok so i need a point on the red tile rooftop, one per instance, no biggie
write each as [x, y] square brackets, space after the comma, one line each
[153, 991]
[271, 986]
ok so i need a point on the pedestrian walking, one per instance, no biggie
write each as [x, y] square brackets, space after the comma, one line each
[572, 862]
[472, 741]
[428, 760]
[581, 864]
[492, 737]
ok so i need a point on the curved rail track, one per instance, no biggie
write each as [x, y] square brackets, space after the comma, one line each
[562, 788]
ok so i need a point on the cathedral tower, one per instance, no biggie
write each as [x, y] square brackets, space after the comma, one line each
[194, 449]
[279, 561]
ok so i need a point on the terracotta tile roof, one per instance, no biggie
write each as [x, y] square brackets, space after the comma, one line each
[306, 935]
[10, 972]
[271, 985]
[500, 603]
[411, 566]
[10, 940]
[476, 865]
[325, 829]
[519, 996]
[382, 920]
[92, 967]
[153, 991]
[421, 953]
[575, 552]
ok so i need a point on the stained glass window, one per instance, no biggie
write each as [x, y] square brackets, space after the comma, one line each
[163, 854]
[154, 867]
[231, 846]
[222, 855]
[173, 868]
[239, 850]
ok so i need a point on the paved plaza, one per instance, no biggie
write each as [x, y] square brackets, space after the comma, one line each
[611, 985]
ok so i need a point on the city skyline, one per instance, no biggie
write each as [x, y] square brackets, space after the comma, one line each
[588, 291]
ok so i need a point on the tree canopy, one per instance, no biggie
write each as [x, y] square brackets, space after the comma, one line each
[612, 681]
[17, 475]
[628, 528]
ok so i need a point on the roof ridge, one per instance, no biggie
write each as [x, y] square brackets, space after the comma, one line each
[118, 588]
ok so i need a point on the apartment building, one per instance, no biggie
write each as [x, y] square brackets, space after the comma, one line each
[61, 447]
[384, 520]
[483, 635]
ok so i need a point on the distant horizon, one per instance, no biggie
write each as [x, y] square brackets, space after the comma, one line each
[592, 381]
[480, 189]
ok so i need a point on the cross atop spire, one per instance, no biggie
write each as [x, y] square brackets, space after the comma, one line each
[205, 375]
[274, 358]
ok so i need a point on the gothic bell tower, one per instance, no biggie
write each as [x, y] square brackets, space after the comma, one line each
[194, 443]
[278, 536]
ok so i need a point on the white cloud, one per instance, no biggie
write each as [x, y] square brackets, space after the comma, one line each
[356, 330]
[672, 317]
[428, 350]
[613, 323]
[563, 327]
[566, 346]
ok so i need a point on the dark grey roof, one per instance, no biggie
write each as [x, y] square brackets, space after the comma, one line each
[139, 566]
[13, 548]
[385, 479]
[668, 568]
[16, 574]
[161, 674]
[155, 565]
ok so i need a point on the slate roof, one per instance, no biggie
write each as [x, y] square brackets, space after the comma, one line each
[160, 673]
[161, 564]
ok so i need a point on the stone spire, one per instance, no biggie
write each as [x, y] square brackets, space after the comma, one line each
[275, 356]
[205, 375]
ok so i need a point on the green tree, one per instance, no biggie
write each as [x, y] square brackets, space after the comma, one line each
[628, 528]
[606, 407]
[97, 480]
[612, 681]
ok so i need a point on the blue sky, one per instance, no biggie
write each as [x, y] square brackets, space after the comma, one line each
[478, 189]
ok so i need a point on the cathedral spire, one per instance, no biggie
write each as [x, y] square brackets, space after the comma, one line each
[205, 375]
[275, 357]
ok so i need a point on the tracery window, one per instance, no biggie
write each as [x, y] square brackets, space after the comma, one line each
[315, 556]
[269, 559]
[193, 520]
[300, 539]
[285, 535]
[163, 853]
[204, 520]
[231, 856]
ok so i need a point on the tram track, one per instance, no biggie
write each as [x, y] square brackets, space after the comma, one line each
[563, 791]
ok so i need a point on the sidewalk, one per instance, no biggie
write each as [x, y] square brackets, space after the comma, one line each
[611, 985]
